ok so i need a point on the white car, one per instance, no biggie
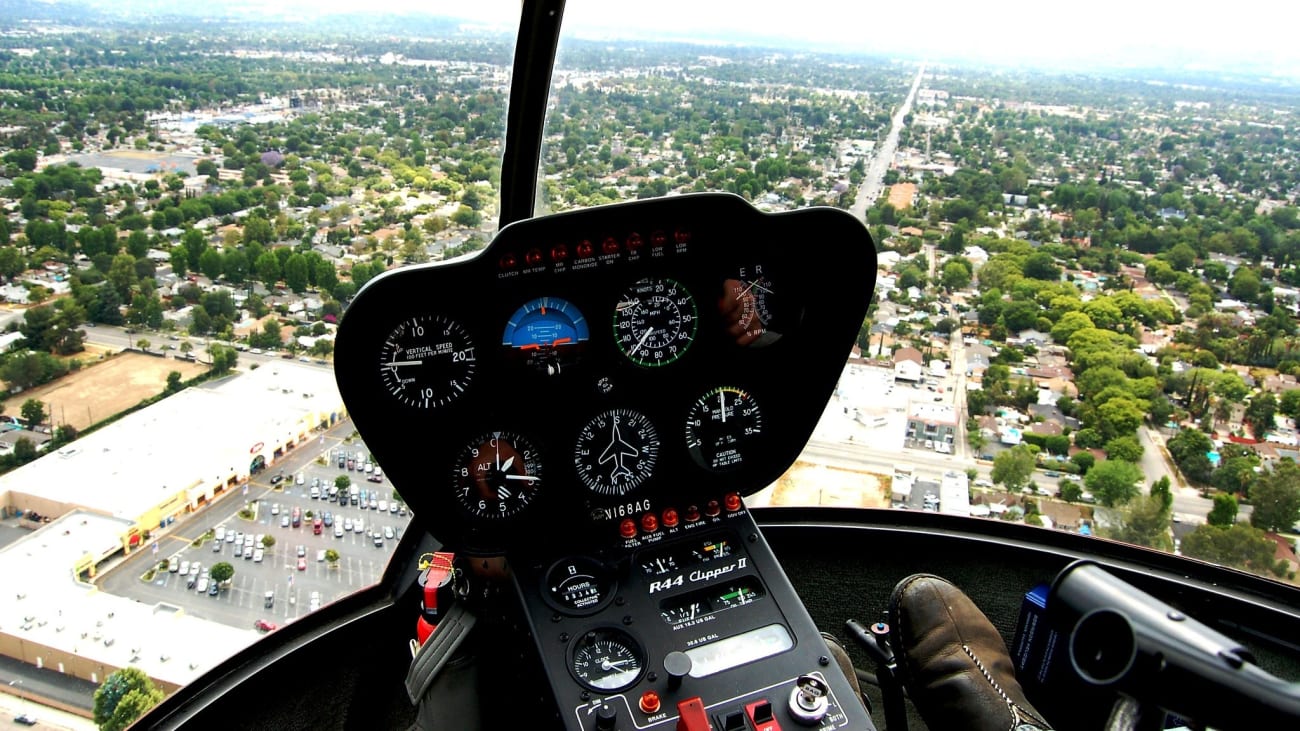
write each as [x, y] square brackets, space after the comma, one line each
[383, 506]
[338, 530]
[981, 482]
[347, 524]
[315, 600]
[258, 555]
[202, 586]
[388, 532]
[359, 527]
[299, 479]
[185, 567]
[221, 533]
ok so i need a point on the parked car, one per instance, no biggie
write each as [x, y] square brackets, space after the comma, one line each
[275, 508]
[315, 601]
[258, 555]
[388, 532]
[25, 719]
[202, 585]
[214, 588]
[277, 479]
[338, 530]
[173, 565]
[302, 564]
[216, 546]
[268, 600]
[262, 625]
[302, 550]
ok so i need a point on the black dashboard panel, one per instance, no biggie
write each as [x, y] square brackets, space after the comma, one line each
[590, 366]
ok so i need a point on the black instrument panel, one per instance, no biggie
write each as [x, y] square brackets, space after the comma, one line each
[592, 365]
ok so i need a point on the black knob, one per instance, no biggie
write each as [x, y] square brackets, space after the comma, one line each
[607, 719]
[678, 666]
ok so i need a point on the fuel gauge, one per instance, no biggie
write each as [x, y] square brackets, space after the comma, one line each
[712, 549]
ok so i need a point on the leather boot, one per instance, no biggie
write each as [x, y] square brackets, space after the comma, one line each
[954, 664]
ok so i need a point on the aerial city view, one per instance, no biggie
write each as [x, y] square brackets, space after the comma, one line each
[1085, 314]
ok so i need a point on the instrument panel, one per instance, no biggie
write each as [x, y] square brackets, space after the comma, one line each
[593, 365]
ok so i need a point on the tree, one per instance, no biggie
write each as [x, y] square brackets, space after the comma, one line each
[123, 697]
[1224, 512]
[1142, 521]
[1012, 467]
[211, 264]
[1276, 497]
[221, 572]
[1071, 491]
[1162, 489]
[173, 382]
[1069, 324]
[1125, 448]
[1039, 265]
[955, 276]
[1260, 412]
[1084, 461]
[1113, 482]
[296, 273]
[331, 556]
[33, 412]
[1289, 403]
[343, 482]
[1238, 545]
[269, 540]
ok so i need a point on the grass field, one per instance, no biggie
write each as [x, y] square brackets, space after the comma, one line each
[100, 390]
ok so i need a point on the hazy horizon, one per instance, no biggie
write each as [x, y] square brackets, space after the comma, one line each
[1107, 35]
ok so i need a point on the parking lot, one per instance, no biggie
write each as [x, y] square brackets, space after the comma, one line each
[291, 578]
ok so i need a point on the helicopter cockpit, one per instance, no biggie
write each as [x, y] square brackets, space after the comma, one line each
[577, 415]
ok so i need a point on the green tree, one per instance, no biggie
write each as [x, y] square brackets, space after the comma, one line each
[269, 540]
[1276, 497]
[1113, 482]
[33, 412]
[1260, 412]
[267, 267]
[221, 572]
[1224, 512]
[1039, 265]
[955, 276]
[122, 276]
[211, 264]
[1071, 491]
[1069, 324]
[331, 556]
[173, 382]
[123, 697]
[343, 482]
[1164, 491]
[1289, 403]
[1084, 461]
[296, 273]
[1142, 521]
[1013, 467]
[1238, 545]
[1128, 449]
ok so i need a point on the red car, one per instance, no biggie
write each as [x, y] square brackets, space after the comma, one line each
[264, 625]
[302, 564]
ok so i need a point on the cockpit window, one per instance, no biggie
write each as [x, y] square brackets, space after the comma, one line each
[189, 199]
[1085, 303]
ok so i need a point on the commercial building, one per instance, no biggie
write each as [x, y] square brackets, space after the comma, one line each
[931, 421]
[174, 456]
[52, 619]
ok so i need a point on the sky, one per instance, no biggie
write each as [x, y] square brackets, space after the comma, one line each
[1194, 34]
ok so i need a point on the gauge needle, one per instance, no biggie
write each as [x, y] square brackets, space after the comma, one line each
[641, 342]
[611, 664]
[509, 461]
[403, 362]
[530, 478]
[722, 407]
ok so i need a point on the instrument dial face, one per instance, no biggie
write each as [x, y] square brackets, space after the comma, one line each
[720, 426]
[427, 361]
[750, 307]
[607, 660]
[497, 475]
[616, 452]
[579, 585]
[655, 322]
[548, 332]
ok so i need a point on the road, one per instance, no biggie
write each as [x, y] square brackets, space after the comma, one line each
[1188, 503]
[883, 155]
[118, 338]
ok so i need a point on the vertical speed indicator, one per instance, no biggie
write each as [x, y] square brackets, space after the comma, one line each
[427, 361]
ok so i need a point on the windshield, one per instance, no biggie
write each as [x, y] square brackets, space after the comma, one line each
[189, 197]
[1085, 314]
[1086, 296]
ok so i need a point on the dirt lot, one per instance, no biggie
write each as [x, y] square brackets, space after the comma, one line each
[814, 484]
[100, 390]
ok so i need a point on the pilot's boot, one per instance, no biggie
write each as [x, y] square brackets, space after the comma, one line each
[954, 664]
